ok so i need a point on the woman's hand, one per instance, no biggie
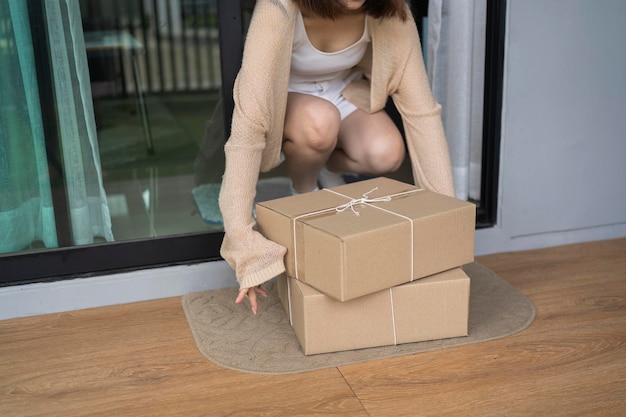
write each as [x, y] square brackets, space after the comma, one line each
[251, 294]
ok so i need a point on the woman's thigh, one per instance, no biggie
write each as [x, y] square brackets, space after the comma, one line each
[371, 141]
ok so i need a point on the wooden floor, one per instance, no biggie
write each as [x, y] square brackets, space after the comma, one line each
[140, 359]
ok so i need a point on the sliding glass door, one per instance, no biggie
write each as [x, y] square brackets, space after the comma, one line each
[112, 126]
[113, 117]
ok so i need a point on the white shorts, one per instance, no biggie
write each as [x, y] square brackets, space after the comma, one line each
[329, 90]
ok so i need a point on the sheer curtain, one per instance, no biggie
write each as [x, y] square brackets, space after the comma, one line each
[26, 211]
[89, 211]
[455, 62]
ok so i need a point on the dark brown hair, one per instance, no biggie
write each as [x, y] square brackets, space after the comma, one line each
[376, 8]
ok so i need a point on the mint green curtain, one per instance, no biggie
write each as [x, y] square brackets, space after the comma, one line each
[26, 212]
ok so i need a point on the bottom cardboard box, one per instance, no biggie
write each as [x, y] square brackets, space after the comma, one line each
[435, 307]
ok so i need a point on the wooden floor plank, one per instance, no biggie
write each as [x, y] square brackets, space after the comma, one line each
[140, 359]
[570, 362]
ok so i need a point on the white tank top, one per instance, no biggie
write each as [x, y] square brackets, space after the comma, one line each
[309, 64]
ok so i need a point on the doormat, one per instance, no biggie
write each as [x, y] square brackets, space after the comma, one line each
[230, 336]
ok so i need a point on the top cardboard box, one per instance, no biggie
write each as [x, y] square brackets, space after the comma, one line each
[360, 238]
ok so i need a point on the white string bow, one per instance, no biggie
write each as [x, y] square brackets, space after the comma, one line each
[364, 199]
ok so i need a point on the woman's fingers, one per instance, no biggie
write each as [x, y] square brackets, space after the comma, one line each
[251, 294]
[260, 291]
[243, 292]
[252, 299]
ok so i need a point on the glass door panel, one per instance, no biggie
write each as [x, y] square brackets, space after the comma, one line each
[114, 104]
[155, 74]
[113, 117]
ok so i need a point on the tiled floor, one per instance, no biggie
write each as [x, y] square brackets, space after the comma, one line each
[150, 195]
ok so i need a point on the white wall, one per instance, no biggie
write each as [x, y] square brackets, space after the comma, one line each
[563, 125]
[128, 287]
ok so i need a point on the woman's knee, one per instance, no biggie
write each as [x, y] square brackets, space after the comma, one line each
[316, 127]
[385, 155]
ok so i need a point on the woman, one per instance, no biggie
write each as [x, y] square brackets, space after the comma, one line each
[313, 84]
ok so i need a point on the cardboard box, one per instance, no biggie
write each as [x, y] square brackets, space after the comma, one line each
[436, 307]
[396, 234]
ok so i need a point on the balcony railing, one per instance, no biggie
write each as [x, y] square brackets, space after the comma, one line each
[175, 43]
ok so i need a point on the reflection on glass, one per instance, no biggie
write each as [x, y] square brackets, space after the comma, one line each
[131, 90]
[155, 91]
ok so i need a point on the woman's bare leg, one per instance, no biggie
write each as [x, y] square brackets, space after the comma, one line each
[311, 130]
[368, 144]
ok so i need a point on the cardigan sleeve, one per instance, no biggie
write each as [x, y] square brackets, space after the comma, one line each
[254, 258]
[421, 116]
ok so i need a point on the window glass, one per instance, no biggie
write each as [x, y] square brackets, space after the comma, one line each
[110, 123]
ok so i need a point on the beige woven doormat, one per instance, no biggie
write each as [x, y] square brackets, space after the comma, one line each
[232, 337]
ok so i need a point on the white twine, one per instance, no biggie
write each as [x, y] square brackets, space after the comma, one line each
[410, 232]
[364, 199]
[289, 299]
[393, 318]
[350, 205]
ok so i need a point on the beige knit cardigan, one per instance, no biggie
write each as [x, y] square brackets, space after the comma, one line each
[393, 66]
